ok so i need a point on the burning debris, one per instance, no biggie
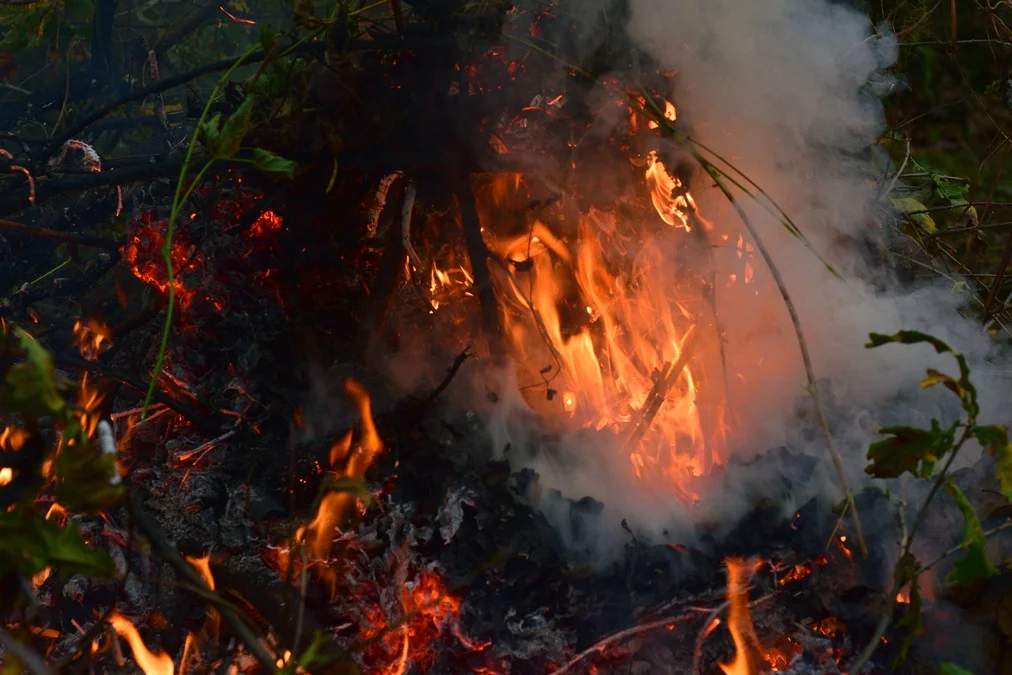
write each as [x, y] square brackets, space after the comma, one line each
[571, 496]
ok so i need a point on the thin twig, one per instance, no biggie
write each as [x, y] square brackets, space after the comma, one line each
[959, 547]
[55, 235]
[450, 374]
[899, 580]
[618, 637]
[697, 650]
[806, 358]
[899, 172]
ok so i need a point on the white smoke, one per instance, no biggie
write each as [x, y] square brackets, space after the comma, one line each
[787, 91]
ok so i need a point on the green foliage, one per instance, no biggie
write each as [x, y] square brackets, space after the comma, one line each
[912, 623]
[975, 565]
[920, 452]
[962, 386]
[995, 440]
[351, 484]
[29, 543]
[952, 669]
[31, 384]
[909, 450]
[224, 140]
[916, 212]
[272, 164]
[44, 24]
[85, 476]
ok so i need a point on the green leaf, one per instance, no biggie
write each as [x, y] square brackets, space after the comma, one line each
[962, 387]
[912, 622]
[995, 440]
[909, 449]
[975, 565]
[953, 191]
[272, 164]
[29, 543]
[85, 477]
[915, 212]
[947, 668]
[31, 385]
[224, 140]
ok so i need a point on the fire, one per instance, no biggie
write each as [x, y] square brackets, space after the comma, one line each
[336, 506]
[602, 316]
[427, 613]
[208, 633]
[93, 338]
[152, 663]
[671, 198]
[748, 652]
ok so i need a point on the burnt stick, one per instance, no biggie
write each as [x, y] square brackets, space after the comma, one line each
[147, 527]
[478, 254]
[208, 425]
[71, 237]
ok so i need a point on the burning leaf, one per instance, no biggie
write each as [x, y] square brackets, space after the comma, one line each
[31, 383]
[909, 449]
[915, 211]
[30, 543]
[975, 565]
[994, 438]
[272, 164]
[224, 142]
[354, 485]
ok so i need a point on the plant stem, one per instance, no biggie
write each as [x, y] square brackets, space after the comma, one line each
[177, 205]
[806, 358]
[899, 579]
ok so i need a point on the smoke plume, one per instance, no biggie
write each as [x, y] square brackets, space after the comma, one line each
[788, 91]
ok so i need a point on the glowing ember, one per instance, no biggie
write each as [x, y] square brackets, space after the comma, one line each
[142, 253]
[427, 614]
[152, 663]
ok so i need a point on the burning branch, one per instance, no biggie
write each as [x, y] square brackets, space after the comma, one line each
[478, 254]
[240, 627]
[664, 379]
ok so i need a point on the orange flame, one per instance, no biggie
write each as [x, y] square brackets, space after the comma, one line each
[152, 663]
[747, 658]
[212, 623]
[599, 320]
[337, 506]
[93, 337]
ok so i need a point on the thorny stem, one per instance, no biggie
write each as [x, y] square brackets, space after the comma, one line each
[177, 205]
[813, 388]
[900, 579]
